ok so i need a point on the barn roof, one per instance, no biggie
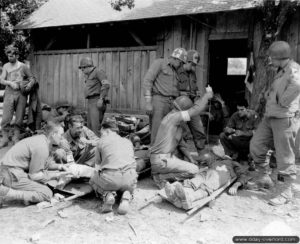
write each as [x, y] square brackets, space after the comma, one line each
[56, 13]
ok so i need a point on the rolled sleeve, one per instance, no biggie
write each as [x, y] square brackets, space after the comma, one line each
[151, 75]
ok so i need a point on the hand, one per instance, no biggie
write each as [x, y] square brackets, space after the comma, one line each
[233, 190]
[64, 167]
[28, 86]
[209, 93]
[210, 116]
[218, 97]
[63, 175]
[238, 133]
[149, 108]
[100, 103]
[193, 161]
[14, 85]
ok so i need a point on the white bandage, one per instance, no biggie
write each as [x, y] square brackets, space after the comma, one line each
[185, 115]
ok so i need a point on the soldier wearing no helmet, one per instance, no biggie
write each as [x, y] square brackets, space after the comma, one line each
[96, 91]
[14, 75]
[161, 87]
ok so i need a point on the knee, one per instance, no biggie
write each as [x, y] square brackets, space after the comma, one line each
[45, 194]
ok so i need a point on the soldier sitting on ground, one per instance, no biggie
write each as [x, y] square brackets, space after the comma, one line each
[77, 147]
[116, 168]
[237, 134]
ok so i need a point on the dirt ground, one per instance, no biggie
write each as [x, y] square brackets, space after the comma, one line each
[81, 222]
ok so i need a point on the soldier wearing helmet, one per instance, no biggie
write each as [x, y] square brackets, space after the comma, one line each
[13, 74]
[279, 125]
[161, 87]
[188, 86]
[96, 91]
[165, 165]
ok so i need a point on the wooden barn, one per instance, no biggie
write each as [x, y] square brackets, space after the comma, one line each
[124, 44]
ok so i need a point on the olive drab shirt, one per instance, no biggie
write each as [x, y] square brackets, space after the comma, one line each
[284, 93]
[94, 83]
[187, 82]
[161, 79]
[246, 124]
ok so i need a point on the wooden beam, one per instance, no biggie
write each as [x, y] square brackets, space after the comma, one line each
[90, 50]
[228, 35]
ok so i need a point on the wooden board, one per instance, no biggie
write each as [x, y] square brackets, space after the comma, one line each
[129, 90]
[123, 80]
[136, 80]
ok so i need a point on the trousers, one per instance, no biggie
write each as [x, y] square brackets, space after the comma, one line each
[14, 101]
[278, 133]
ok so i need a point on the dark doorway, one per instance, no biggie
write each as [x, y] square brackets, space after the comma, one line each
[227, 69]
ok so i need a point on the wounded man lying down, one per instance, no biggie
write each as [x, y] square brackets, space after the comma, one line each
[185, 194]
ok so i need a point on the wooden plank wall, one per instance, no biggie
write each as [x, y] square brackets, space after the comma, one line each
[61, 80]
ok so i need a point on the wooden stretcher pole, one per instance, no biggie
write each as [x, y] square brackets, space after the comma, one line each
[206, 200]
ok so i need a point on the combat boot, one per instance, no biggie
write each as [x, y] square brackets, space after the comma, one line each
[4, 141]
[124, 204]
[109, 201]
[16, 136]
[8, 194]
[286, 194]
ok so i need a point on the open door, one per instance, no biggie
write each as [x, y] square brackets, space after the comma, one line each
[227, 69]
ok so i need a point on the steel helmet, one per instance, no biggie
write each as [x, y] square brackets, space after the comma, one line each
[280, 50]
[179, 53]
[86, 62]
[183, 103]
[193, 56]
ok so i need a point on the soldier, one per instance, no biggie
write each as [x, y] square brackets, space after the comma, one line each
[116, 168]
[164, 164]
[57, 114]
[188, 87]
[96, 91]
[280, 124]
[24, 167]
[161, 87]
[237, 134]
[13, 75]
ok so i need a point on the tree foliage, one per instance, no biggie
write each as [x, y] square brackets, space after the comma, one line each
[273, 15]
[119, 4]
[12, 12]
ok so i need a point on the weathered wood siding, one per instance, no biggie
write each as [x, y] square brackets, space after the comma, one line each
[61, 80]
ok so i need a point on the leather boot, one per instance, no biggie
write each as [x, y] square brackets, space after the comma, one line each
[124, 204]
[16, 136]
[4, 140]
[109, 201]
[8, 194]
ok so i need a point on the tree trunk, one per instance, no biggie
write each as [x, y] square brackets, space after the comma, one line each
[272, 17]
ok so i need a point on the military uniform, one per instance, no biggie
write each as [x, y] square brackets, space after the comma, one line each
[188, 87]
[25, 158]
[96, 87]
[239, 144]
[279, 125]
[162, 82]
